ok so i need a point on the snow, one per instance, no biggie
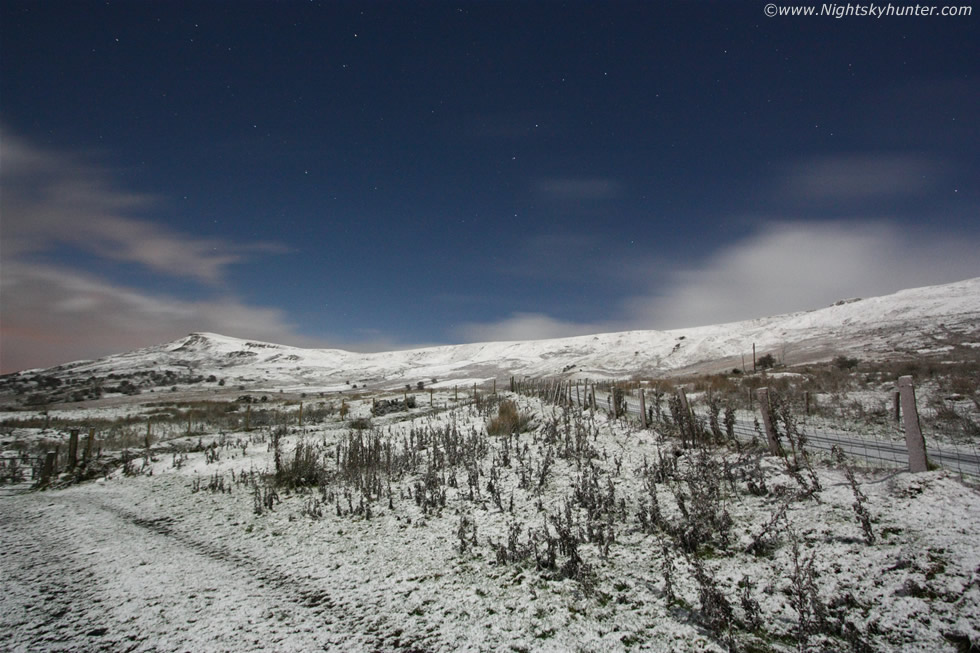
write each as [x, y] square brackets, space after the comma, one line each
[146, 563]
[158, 561]
[872, 327]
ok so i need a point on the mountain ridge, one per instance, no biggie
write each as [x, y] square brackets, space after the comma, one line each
[909, 322]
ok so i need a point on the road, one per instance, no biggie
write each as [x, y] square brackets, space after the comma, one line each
[961, 460]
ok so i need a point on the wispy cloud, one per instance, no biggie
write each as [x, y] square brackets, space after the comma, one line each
[54, 199]
[860, 177]
[53, 315]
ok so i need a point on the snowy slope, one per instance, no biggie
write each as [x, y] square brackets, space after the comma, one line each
[921, 320]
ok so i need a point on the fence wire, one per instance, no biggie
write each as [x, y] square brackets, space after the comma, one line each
[868, 445]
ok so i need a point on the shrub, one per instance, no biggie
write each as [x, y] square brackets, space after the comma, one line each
[845, 363]
[766, 362]
[509, 420]
[360, 424]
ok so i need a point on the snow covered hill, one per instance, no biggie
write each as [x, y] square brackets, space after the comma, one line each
[937, 320]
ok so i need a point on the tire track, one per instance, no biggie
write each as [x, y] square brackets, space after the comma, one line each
[153, 586]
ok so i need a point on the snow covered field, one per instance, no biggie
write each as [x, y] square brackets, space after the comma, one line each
[453, 539]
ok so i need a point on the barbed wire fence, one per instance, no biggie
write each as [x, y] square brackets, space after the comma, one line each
[882, 446]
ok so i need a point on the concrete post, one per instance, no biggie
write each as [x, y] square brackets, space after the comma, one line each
[914, 441]
[766, 410]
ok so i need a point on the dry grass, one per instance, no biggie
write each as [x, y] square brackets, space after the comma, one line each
[509, 420]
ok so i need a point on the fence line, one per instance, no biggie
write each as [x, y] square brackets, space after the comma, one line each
[866, 444]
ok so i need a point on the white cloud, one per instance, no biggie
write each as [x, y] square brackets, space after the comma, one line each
[780, 268]
[51, 199]
[523, 326]
[54, 315]
[797, 266]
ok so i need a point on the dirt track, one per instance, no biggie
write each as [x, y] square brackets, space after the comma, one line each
[81, 574]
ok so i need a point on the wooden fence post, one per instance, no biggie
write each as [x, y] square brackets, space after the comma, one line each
[301, 414]
[89, 443]
[897, 405]
[456, 393]
[643, 410]
[766, 409]
[806, 401]
[248, 417]
[430, 397]
[47, 471]
[914, 441]
[688, 415]
[72, 449]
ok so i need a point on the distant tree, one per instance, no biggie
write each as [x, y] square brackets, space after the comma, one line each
[420, 385]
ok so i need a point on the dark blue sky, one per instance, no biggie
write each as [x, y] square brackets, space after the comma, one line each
[373, 174]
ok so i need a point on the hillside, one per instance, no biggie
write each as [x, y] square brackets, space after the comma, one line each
[941, 321]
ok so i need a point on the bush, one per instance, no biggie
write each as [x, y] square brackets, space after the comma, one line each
[360, 424]
[845, 363]
[766, 362]
[509, 420]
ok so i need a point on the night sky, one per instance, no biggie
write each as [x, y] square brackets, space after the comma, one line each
[374, 175]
